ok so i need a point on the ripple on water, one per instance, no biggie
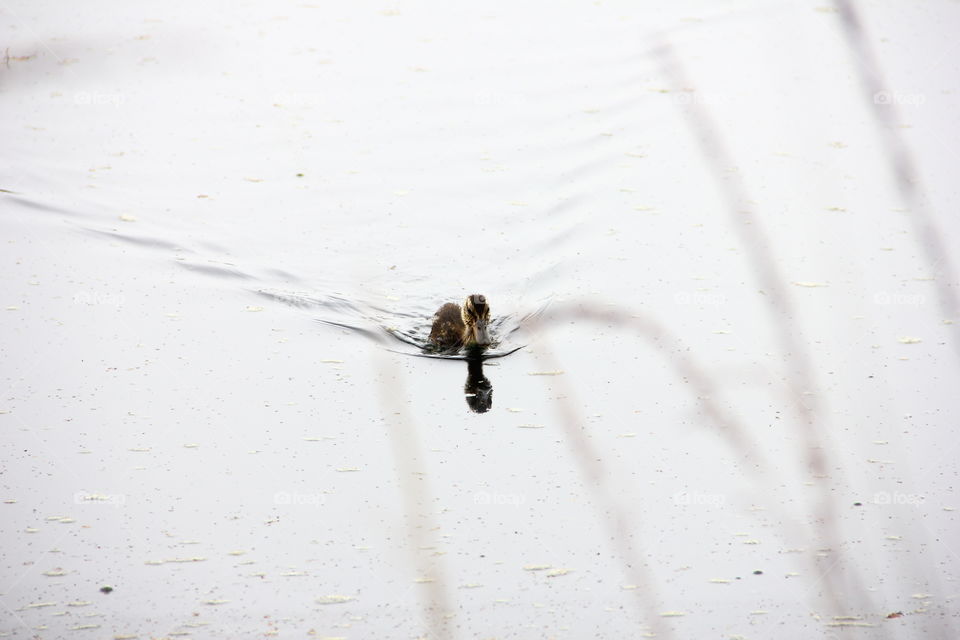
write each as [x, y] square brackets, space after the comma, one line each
[403, 327]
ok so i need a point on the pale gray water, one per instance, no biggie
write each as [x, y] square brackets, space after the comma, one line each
[191, 190]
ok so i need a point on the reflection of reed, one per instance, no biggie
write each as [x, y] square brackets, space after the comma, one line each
[800, 379]
[901, 164]
[405, 442]
[616, 518]
[702, 388]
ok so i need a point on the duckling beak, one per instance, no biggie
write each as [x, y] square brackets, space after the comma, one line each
[481, 333]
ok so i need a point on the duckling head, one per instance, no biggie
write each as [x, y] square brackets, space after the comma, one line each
[476, 317]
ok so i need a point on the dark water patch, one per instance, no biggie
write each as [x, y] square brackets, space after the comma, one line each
[152, 243]
[45, 207]
[284, 276]
[224, 271]
[334, 302]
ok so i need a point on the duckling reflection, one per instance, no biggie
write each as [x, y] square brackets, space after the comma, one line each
[456, 327]
[477, 390]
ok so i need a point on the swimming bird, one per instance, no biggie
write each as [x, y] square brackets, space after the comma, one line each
[467, 326]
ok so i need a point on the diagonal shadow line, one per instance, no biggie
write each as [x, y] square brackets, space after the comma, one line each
[901, 161]
[23, 575]
[406, 447]
[33, 34]
[15, 615]
[615, 517]
[686, 369]
[45, 447]
[779, 305]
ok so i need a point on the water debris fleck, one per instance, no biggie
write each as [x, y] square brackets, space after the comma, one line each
[186, 560]
[156, 563]
[347, 469]
[546, 373]
[191, 445]
[909, 340]
[673, 614]
[556, 573]
[537, 567]
[79, 603]
[334, 599]
[254, 308]
[55, 573]
[215, 602]
[331, 361]
[719, 581]
[127, 218]
[811, 285]
[530, 426]
[470, 585]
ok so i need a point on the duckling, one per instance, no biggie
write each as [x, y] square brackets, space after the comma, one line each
[467, 326]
